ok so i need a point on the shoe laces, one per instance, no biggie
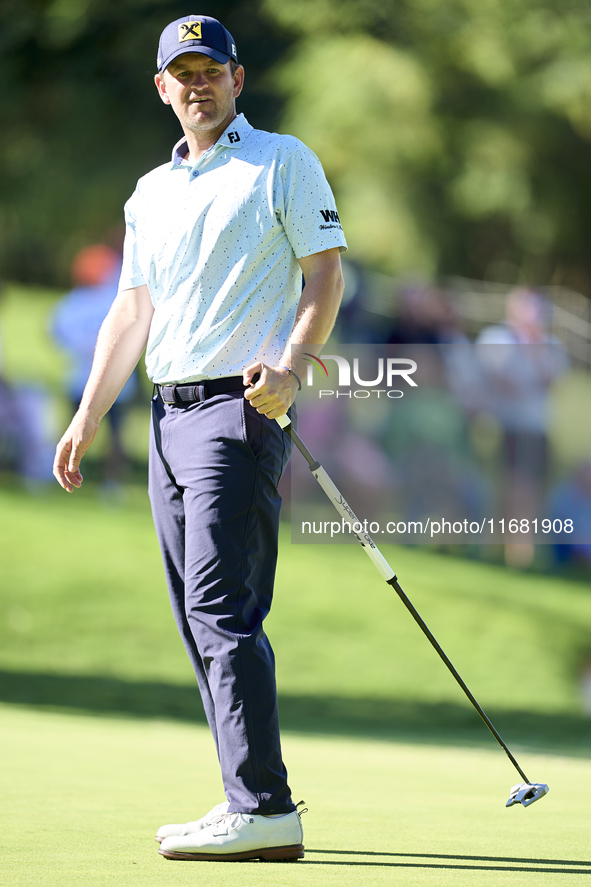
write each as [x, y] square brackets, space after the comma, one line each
[230, 819]
[215, 813]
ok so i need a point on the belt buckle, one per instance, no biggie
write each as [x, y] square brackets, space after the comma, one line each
[165, 390]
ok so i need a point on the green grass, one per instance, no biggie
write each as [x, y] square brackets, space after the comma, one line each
[85, 623]
[83, 796]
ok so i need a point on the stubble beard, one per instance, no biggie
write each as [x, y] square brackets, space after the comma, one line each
[219, 119]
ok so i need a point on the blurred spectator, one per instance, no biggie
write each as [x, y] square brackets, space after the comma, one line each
[8, 433]
[26, 438]
[11, 430]
[427, 442]
[527, 318]
[426, 317]
[517, 376]
[571, 501]
[75, 325]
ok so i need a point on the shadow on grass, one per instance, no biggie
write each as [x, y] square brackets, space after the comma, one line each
[451, 861]
[387, 719]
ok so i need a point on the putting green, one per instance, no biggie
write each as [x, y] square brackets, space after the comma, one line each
[82, 797]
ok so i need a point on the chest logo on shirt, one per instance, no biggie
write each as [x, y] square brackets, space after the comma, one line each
[234, 137]
[189, 31]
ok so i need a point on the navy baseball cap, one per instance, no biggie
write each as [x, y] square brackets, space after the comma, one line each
[195, 33]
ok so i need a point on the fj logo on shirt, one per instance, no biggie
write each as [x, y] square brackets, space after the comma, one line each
[330, 215]
[189, 31]
[234, 137]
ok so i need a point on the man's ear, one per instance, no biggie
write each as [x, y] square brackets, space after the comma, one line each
[238, 80]
[161, 87]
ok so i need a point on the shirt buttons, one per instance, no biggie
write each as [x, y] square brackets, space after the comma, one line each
[195, 173]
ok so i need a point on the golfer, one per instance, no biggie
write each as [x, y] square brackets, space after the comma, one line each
[217, 242]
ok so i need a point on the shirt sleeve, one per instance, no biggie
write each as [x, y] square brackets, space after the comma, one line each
[131, 273]
[307, 206]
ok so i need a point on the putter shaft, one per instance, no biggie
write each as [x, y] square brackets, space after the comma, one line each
[388, 574]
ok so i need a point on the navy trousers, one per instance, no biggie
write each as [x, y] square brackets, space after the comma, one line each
[214, 470]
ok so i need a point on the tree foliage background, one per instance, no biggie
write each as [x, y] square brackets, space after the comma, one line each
[456, 133]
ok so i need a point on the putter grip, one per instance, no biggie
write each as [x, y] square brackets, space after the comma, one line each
[347, 513]
[339, 502]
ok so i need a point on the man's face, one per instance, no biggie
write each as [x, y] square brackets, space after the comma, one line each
[201, 91]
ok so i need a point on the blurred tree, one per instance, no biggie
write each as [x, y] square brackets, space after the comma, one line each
[456, 133]
[81, 119]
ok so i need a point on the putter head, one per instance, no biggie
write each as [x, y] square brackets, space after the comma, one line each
[526, 793]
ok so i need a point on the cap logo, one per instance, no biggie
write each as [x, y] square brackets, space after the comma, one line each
[189, 31]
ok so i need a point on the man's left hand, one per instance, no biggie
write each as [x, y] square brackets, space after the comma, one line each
[274, 391]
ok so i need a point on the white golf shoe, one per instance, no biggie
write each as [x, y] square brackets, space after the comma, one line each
[189, 828]
[237, 836]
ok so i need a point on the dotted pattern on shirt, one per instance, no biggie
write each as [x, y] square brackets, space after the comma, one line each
[219, 251]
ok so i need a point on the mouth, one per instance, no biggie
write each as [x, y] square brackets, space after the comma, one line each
[198, 101]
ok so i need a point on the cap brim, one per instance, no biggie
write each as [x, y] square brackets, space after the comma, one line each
[221, 57]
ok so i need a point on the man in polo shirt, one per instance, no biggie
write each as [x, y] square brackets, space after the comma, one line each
[216, 245]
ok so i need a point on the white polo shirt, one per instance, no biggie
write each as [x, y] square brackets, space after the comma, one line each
[217, 244]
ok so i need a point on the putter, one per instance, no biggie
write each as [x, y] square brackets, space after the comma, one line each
[525, 792]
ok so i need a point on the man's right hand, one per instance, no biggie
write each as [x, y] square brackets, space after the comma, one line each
[71, 448]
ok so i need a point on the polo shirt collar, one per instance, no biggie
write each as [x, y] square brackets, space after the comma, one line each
[232, 137]
[235, 133]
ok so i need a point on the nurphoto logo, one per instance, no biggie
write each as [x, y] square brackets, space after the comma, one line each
[388, 372]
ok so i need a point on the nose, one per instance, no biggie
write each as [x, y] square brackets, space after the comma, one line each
[198, 80]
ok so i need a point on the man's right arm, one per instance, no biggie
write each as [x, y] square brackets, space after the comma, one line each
[121, 340]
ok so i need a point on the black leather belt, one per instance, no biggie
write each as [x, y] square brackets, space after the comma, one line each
[197, 392]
